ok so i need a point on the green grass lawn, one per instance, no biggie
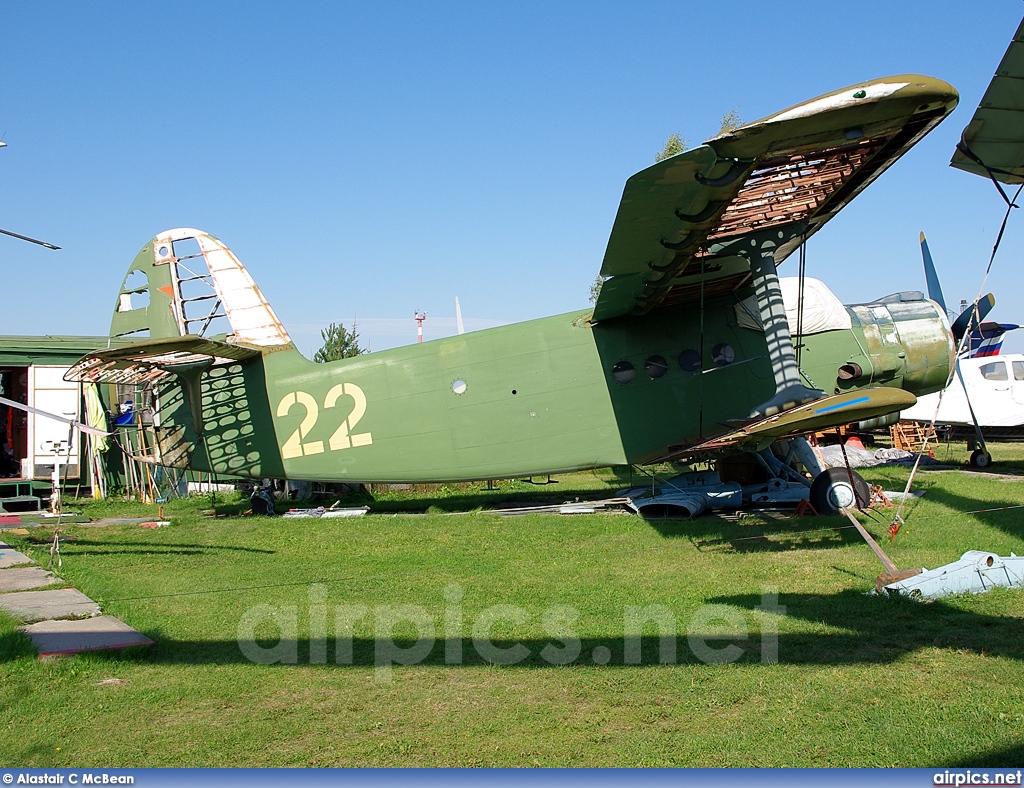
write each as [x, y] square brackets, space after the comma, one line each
[859, 680]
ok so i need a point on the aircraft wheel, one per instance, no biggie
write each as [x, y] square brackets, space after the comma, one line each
[262, 501]
[831, 491]
[981, 459]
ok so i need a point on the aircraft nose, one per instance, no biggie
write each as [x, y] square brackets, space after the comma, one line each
[927, 345]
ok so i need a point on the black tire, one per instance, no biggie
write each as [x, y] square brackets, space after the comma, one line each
[981, 459]
[831, 490]
[262, 503]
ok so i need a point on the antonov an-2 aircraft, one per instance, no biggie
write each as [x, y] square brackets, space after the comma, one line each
[688, 349]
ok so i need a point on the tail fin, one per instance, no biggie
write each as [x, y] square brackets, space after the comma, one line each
[197, 327]
[987, 339]
[459, 326]
[185, 282]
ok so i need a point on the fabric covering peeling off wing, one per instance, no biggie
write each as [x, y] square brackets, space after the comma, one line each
[686, 225]
[155, 360]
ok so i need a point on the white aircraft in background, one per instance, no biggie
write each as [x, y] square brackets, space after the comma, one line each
[985, 399]
[989, 388]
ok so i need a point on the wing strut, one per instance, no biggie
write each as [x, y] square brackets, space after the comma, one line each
[789, 388]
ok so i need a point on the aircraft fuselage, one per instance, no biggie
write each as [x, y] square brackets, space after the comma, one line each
[543, 396]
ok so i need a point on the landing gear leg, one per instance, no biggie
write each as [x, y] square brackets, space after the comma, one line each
[808, 456]
[980, 458]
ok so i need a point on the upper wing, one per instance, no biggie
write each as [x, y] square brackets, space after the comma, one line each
[681, 222]
[993, 142]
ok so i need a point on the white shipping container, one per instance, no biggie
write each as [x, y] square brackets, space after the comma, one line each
[47, 390]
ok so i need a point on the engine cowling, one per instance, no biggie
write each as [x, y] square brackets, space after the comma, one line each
[908, 338]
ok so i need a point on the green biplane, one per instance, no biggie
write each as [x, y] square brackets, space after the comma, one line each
[688, 350]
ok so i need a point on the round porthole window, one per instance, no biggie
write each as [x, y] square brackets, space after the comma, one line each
[656, 367]
[459, 386]
[623, 372]
[689, 360]
[723, 354]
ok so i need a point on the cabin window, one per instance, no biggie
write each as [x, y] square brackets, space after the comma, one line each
[623, 372]
[459, 386]
[723, 354]
[689, 360]
[656, 367]
[1018, 370]
[994, 371]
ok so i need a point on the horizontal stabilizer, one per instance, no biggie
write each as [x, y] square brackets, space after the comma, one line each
[155, 359]
[831, 411]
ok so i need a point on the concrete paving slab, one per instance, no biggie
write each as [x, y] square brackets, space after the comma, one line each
[39, 605]
[13, 558]
[24, 578]
[56, 638]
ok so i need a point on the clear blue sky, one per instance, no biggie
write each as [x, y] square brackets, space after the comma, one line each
[369, 159]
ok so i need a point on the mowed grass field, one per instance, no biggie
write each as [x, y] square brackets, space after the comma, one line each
[852, 680]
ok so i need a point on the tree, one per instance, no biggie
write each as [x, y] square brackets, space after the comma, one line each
[673, 145]
[339, 342]
[731, 121]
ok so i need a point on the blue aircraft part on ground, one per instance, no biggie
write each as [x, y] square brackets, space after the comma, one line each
[976, 572]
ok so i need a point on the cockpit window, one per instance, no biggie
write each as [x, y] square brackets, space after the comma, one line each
[994, 371]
